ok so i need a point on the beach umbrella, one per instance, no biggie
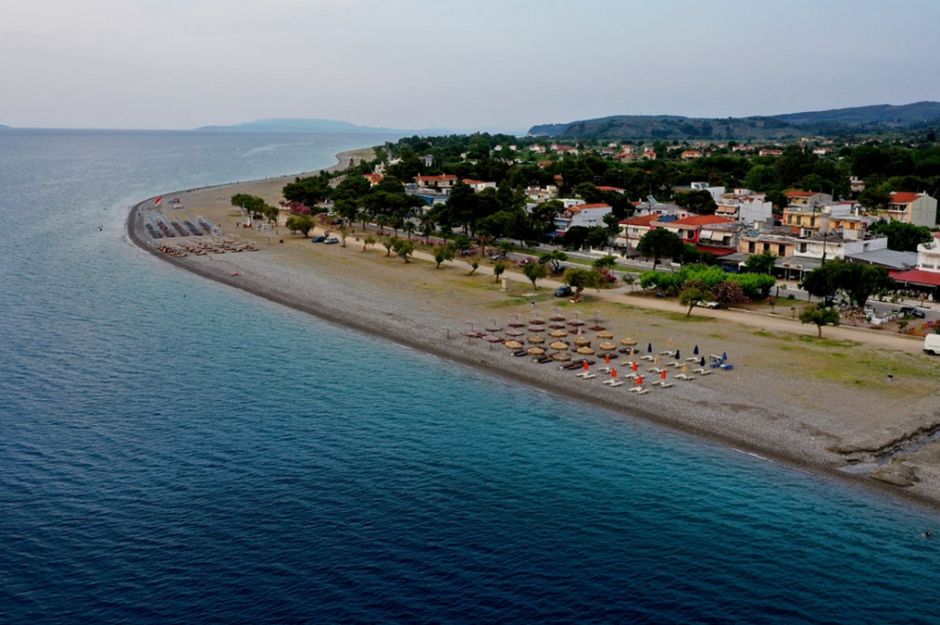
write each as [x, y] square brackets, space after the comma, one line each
[557, 317]
[662, 375]
[559, 345]
[649, 348]
[702, 362]
[635, 366]
[596, 328]
[585, 350]
[516, 324]
[678, 356]
[536, 329]
[558, 333]
[607, 347]
[613, 373]
[492, 338]
[607, 359]
[629, 342]
[535, 339]
[695, 351]
[535, 351]
[639, 380]
[561, 356]
[585, 365]
[575, 322]
[582, 341]
[536, 321]
[513, 344]
[556, 325]
[605, 335]
[514, 332]
[724, 355]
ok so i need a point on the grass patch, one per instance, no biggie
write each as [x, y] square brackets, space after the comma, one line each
[824, 342]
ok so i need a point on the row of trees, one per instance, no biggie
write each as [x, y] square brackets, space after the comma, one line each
[255, 207]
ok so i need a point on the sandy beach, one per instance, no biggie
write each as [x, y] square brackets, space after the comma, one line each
[862, 406]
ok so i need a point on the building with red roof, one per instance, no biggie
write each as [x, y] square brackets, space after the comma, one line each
[910, 208]
[443, 181]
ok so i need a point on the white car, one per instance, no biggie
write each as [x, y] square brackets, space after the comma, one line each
[932, 344]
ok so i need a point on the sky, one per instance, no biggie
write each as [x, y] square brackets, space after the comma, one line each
[464, 64]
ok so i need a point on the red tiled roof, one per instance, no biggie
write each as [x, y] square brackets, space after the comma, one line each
[717, 251]
[799, 193]
[606, 188]
[440, 178]
[643, 220]
[702, 220]
[472, 181]
[918, 276]
[903, 197]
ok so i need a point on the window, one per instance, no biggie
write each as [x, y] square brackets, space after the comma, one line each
[751, 247]
[781, 250]
[766, 247]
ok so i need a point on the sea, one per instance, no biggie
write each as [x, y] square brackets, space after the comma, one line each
[176, 451]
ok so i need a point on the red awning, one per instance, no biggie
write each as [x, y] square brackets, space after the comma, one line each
[717, 251]
[918, 276]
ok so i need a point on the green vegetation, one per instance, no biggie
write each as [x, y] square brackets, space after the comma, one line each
[902, 237]
[820, 315]
[713, 282]
[856, 281]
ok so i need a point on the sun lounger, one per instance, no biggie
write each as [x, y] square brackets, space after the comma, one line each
[726, 367]
[692, 359]
[664, 384]
[667, 352]
[655, 370]
[647, 357]
[589, 376]
[571, 366]
[702, 371]
[639, 390]
[544, 359]
[612, 382]
[682, 376]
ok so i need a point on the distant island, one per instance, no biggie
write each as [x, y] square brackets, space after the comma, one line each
[859, 120]
[322, 126]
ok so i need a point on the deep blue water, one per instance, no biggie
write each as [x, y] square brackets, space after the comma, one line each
[172, 451]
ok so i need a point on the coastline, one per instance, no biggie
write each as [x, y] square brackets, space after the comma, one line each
[367, 307]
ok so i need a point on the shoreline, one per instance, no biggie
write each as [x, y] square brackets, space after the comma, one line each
[714, 422]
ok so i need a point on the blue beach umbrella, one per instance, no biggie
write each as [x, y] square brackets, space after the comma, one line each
[724, 355]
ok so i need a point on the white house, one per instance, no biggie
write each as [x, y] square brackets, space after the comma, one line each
[478, 185]
[716, 192]
[586, 215]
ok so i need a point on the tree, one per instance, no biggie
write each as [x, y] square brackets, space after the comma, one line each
[605, 262]
[368, 241]
[659, 243]
[443, 253]
[389, 245]
[498, 269]
[700, 202]
[474, 265]
[901, 236]
[691, 295]
[820, 315]
[300, 223]
[761, 263]
[553, 260]
[403, 248]
[580, 279]
[535, 271]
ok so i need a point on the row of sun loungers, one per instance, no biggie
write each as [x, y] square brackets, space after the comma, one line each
[159, 227]
[201, 247]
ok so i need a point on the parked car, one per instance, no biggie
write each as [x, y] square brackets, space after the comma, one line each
[932, 344]
[499, 256]
[563, 291]
[911, 311]
[318, 239]
[702, 304]
[526, 261]
[331, 241]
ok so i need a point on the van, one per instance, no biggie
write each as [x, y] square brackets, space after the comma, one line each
[932, 344]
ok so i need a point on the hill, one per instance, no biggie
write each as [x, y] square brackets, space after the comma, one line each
[320, 126]
[856, 120]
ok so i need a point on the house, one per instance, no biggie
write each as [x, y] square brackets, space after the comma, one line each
[649, 154]
[538, 149]
[608, 189]
[927, 273]
[427, 160]
[832, 245]
[688, 155]
[542, 194]
[568, 202]
[777, 241]
[586, 215]
[565, 149]
[478, 185]
[745, 206]
[374, 179]
[691, 228]
[856, 184]
[716, 192]
[799, 197]
[770, 152]
[441, 182]
[910, 208]
[633, 229]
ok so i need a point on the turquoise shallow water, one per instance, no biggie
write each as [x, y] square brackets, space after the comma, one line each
[172, 451]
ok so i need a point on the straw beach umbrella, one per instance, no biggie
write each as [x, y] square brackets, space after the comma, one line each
[513, 345]
[536, 329]
[559, 345]
[585, 351]
[604, 334]
[514, 332]
[535, 351]
[535, 339]
[561, 356]
[558, 333]
[628, 342]
[556, 325]
[607, 347]
[582, 341]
